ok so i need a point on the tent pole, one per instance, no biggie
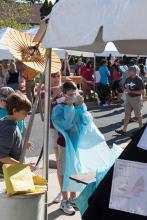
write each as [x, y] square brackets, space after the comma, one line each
[31, 120]
[46, 126]
[94, 75]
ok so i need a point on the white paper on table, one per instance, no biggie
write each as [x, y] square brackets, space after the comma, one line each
[143, 140]
[129, 187]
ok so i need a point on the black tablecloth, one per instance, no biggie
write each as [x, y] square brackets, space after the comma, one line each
[99, 201]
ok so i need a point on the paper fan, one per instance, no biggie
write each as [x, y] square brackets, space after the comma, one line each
[22, 47]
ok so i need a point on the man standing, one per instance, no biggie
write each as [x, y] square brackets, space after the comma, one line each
[29, 75]
[134, 89]
[103, 88]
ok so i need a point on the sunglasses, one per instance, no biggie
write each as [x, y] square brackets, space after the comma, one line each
[55, 76]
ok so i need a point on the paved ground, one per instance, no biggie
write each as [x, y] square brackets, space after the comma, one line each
[107, 119]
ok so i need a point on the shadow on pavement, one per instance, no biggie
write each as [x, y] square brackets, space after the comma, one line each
[118, 139]
[114, 113]
[110, 128]
[56, 213]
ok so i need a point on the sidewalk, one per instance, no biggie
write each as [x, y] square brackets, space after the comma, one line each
[54, 213]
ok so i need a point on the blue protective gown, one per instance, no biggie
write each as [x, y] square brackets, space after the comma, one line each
[86, 149]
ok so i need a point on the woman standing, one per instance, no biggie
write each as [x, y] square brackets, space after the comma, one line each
[13, 77]
[2, 78]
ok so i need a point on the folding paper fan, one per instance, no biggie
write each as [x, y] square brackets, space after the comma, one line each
[22, 47]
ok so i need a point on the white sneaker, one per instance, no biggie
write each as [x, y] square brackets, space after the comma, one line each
[105, 105]
[58, 198]
[73, 202]
[67, 207]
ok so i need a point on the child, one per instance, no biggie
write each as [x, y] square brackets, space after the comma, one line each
[18, 107]
[69, 91]
[4, 93]
[80, 143]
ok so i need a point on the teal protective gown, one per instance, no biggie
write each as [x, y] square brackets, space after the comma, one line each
[86, 149]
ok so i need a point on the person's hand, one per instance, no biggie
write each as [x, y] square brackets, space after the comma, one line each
[68, 100]
[126, 90]
[56, 93]
[66, 78]
[32, 166]
[30, 146]
[80, 100]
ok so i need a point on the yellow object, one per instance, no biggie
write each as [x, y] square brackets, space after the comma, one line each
[18, 179]
[38, 180]
[40, 184]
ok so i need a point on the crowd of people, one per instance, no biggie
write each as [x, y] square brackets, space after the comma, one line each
[69, 115]
[113, 77]
[16, 77]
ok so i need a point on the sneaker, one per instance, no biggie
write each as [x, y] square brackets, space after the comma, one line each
[58, 198]
[30, 112]
[73, 202]
[106, 104]
[132, 120]
[121, 132]
[67, 207]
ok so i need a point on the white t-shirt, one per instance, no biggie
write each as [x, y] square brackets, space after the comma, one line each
[97, 76]
[137, 70]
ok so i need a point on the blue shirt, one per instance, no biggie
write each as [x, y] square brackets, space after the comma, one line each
[104, 73]
[20, 124]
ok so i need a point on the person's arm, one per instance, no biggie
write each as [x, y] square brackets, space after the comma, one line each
[63, 115]
[7, 76]
[106, 70]
[24, 74]
[8, 160]
[135, 92]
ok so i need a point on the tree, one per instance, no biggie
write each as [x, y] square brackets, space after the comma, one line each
[12, 13]
[56, 2]
[46, 8]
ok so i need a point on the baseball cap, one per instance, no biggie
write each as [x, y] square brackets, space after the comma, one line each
[5, 92]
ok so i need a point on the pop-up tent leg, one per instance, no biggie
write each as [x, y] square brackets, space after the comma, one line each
[29, 127]
[46, 126]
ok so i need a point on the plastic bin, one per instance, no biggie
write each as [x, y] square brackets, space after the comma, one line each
[22, 207]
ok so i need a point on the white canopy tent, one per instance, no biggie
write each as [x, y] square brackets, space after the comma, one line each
[4, 53]
[70, 25]
[109, 49]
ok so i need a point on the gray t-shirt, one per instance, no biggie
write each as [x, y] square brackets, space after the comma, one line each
[10, 140]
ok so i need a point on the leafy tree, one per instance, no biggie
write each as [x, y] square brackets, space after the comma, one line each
[12, 12]
[46, 8]
[56, 2]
